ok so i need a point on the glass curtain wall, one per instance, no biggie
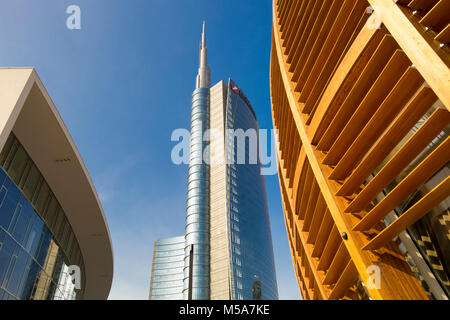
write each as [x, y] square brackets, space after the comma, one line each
[249, 224]
[37, 243]
[167, 269]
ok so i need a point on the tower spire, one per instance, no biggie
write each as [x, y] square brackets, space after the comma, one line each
[204, 73]
[204, 36]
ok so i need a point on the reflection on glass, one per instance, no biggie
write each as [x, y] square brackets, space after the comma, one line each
[34, 255]
[249, 225]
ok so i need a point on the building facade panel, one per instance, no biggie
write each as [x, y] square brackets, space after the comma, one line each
[220, 257]
[250, 235]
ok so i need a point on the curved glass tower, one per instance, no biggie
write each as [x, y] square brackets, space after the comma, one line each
[196, 270]
[250, 236]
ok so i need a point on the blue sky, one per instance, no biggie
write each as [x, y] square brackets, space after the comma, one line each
[122, 84]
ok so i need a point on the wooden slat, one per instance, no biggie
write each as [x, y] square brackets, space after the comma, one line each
[301, 187]
[295, 30]
[288, 144]
[300, 280]
[370, 73]
[299, 46]
[294, 158]
[291, 15]
[329, 251]
[311, 280]
[296, 20]
[282, 13]
[309, 263]
[306, 259]
[307, 279]
[428, 58]
[312, 202]
[312, 36]
[326, 48]
[337, 266]
[281, 17]
[402, 2]
[302, 71]
[297, 176]
[411, 149]
[343, 80]
[423, 100]
[301, 30]
[413, 214]
[305, 193]
[422, 5]
[438, 16]
[439, 157]
[319, 213]
[345, 281]
[444, 35]
[360, 26]
[285, 142]
[295, 12]
[324, 232]
[339, 45]
[316, 292]
[380, 89]
[297, 240]
[362, 258]
[386, 113]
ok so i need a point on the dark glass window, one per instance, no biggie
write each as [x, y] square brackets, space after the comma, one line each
[17, 273]
[7, 248]
[23, 220]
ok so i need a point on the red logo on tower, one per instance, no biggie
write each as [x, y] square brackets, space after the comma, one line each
[235, 88]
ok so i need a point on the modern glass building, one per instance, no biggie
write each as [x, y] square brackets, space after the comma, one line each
[249, 235]
[228, 244]
[54, 240]
[167, 269]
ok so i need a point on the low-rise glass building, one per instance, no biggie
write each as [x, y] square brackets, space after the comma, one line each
[167, 269]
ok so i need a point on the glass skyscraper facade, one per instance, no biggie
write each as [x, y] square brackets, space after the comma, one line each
[248, 215]
[228, 245]
[167, 269]
[197, 211]
[197, 258]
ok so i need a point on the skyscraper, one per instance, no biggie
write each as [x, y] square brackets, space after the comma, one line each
[228, 245]
[241, 243]
[197, 258]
